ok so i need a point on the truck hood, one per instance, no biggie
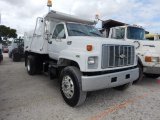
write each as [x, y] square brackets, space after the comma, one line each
[101, 40]
[146, 45]
[80, 42]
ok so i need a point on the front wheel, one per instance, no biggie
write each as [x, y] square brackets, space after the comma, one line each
[140, 74]
[70, 86]
[123, 87]
[152, 75]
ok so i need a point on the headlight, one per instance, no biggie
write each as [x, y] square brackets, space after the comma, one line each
[151, 59]
[93, 62]
[155, 59]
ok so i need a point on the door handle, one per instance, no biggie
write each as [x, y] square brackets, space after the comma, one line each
[50, 42]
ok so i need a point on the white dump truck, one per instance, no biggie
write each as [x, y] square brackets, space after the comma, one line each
[72, 49]
[148, 51]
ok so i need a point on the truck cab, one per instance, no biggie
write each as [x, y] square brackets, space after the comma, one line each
[72, 49]
[148, 51]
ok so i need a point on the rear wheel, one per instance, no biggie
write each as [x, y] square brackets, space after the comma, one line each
[31, 66]
[71, 88]
[123, 87]
[16, 57]
[9, 55]
[152, 75]
[140, 74]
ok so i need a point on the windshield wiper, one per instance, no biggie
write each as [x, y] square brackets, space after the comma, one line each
[95, 33]
[80, 32]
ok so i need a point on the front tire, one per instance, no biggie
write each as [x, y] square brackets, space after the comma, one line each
[70, 86]
[31, 66]
[123, 87]
[140, 74]
[152, 75]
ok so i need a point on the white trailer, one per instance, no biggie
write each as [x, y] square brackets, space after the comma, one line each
[73, 50]
[148, 51]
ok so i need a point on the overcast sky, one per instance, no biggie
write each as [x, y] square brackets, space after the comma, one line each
[22, 14]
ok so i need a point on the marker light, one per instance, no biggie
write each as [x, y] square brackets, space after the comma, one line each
[151, 59]
[89, 47]
[96, 16]
[49, 3]
[148, 59]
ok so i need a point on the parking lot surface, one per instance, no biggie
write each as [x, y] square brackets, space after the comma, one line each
[25, 97]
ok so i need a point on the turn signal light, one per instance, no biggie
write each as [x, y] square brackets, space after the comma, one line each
[89, 47]
[148, 59]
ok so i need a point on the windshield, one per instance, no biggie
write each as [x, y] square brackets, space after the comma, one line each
[135, 33]
[82, 30]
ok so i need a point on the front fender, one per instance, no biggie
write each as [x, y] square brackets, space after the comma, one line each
[142, 56]
[76, 56]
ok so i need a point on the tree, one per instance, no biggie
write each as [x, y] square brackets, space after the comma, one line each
[7, 32]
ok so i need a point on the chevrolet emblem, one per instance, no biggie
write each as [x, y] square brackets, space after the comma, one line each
[122, 56]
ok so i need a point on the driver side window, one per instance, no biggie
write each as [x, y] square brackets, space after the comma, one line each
[59, 32]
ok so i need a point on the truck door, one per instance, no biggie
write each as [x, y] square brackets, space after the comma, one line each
[57, 42]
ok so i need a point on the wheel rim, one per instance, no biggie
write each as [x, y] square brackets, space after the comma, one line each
[68, 87]
[28, 65]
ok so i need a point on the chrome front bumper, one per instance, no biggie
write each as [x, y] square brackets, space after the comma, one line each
[91, 83]
[151, 70]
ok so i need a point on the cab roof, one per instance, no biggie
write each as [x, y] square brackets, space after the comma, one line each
[54, 15]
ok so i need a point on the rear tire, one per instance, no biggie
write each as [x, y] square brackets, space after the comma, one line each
[140, 74]
[70, 86]
[123, 87]
[151, 75]
[31, 66]
[9, 55]
[16, 57]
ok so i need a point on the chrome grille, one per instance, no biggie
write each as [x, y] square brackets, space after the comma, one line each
[117, 55]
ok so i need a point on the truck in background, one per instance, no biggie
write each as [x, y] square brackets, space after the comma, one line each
[148, 51]
[153, 37]
[72, 49]
[16, 50]
[1, 56]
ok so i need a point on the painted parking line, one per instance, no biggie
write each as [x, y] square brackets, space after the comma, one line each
[122, 105]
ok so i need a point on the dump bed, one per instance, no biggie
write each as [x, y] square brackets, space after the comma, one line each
[37, 41]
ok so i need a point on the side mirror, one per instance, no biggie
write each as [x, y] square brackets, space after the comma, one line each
[47, 34]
